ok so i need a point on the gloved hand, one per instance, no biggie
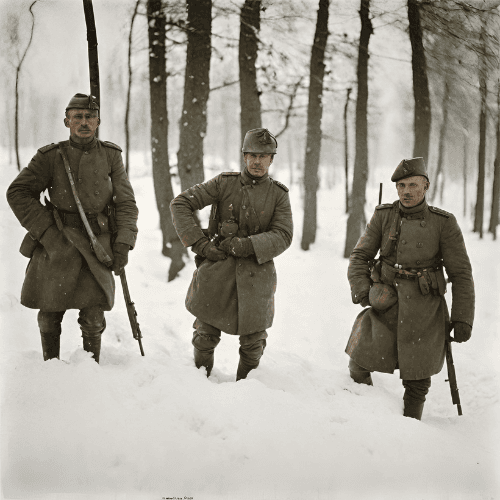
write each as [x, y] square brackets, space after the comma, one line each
[120, 257]
[365, 301]
[238, 247]
[462, 331]
[206, 248]
[361, 299]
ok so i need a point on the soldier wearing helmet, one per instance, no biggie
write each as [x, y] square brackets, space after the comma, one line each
[63, 272]
[408, 322]
[233, 287]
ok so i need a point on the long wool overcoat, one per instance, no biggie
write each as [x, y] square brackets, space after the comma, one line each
[411, 334]
[236, 295]
[63, 272]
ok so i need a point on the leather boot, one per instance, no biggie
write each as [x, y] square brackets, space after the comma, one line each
[92, 343]
[359, 374]
[205, 359]
[244, 369]
[51, 342]
[413, 408]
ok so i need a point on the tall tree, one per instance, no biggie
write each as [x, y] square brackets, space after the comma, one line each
[193, 122]
[129, 88]
[18, 72]
[442, 142]
[171, 245]
[250, 111]
[495, 195]
[314, 115]
[481, 172]
[422, 112]
[356, 220]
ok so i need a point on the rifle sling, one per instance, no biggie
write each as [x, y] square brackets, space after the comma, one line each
[101, 254]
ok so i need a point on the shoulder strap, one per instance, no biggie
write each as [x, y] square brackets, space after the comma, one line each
[439, 211]
[44, 149]
[109, 144]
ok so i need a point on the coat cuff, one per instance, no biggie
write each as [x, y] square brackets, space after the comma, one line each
[126, 236]
[191, 236]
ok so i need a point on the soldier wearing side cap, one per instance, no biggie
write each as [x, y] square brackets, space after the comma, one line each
[63, 272]
[407, 325]
[233, 287]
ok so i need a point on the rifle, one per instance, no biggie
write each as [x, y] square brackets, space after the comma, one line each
[132, 313]
[452, 378]
[95, 91]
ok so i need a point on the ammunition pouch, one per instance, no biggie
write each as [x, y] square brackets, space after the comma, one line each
[28, 246]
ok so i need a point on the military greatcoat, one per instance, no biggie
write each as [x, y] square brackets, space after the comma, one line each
[236, 295]
[63, 272]
[411, 334]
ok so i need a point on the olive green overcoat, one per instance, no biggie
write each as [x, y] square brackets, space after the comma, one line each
[63, 272]
[411, 334]
[236, 295]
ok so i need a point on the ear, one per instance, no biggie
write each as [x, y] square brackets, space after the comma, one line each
[427, 184]
[98, 121]
[66, 122]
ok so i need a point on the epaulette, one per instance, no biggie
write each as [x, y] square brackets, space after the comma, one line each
[44, 149]
[282, 186]
[439, 211]
[111, 145]
[231, 173]
[384, 205]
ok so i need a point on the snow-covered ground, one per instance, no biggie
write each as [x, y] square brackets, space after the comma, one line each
[155, 427]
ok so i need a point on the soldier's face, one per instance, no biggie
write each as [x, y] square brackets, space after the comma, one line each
[258, 163]
[82, 124]
[411, 191]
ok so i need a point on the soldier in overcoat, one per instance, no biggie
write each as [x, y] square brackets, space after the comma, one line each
[63, 271]
[233, 287]
[408, 322]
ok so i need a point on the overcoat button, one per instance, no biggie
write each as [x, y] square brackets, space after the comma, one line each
[80, 180]
[418, 262]
[423, 223]
[243, 207]
[403, 242]
[407, 296]
[96, 183]
[96, 192]
[95, 171]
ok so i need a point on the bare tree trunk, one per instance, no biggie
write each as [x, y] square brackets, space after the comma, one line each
[346, 148]
[422, 116]
[193, 123]
[250, 113]
[129, 89]
[171, 245]
[314, 115]
[18, 71]
[442, 142]
[495, 196]
[466, 154]
[356, 220]
[483, 90]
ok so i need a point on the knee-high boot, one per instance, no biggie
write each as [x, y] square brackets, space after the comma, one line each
[359, 374]
[414, 397]
[92, 343]
[205, 359]
[51, 344]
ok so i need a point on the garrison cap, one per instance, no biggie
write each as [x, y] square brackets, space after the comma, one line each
[83, 101]
[409, 168]
[259, 140]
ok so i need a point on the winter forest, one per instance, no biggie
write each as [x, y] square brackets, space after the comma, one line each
[349, 88]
